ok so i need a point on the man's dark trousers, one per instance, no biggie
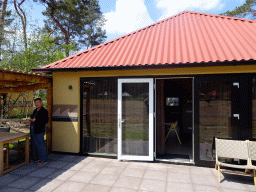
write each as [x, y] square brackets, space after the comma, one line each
[38, 146]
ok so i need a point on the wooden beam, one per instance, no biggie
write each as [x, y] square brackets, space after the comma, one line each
[9, 76]
[24, 88]
[50, 111]
[13, 83]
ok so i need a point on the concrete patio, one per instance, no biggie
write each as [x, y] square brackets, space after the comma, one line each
[76, 173]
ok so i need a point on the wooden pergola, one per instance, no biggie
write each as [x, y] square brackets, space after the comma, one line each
[18, 81]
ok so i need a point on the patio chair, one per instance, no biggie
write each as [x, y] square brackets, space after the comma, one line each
[173, 126]
[236, 150]
[252, 156]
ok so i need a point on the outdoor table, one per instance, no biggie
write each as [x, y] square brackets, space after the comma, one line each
[6, 138]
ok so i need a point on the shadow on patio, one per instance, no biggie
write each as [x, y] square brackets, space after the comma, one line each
[81, 173]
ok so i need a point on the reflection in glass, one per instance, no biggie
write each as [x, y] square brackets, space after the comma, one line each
[254, 108]
[100, 116]
[215, 115]
[135, 119]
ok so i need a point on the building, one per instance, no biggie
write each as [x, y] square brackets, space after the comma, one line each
[119, 98]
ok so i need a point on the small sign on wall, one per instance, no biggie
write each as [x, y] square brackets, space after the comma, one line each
[65, 113]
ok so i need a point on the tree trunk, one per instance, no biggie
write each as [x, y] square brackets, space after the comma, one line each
[2, 15]
[62, 29]
[23, 20]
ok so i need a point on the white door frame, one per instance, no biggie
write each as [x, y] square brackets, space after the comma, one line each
[150, 157]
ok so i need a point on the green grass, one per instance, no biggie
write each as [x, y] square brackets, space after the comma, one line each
[130, 131]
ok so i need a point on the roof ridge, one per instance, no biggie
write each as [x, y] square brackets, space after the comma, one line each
[222, 16]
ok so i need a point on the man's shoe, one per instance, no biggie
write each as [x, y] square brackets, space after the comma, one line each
[41, 163]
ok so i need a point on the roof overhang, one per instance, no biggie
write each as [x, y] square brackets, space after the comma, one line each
[151, 66]
[17, 81]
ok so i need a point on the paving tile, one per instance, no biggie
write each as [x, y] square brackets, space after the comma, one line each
[101, 161]
[8, 178]
[118, 189]
[178, 187]
[78, 173]
[201, 171]
[11, 189]
[153, 174]
[74, 166]
[24, 182]
[153, 185]
[205, 188]
[128, 182]
[46, 185]
[69, 158]
[56, 164]
[133, 172]
[179, 177]
[70, 186]
[179, 168]
[43, 172]
[233, 190]
[25, 170]
[104, 179]
[112, 170]
[62, 174]
[96, 168]
[84, 177]
[84, 159]
[158, 166]
[138, 165]
[233, 185]
[250, 187]
[205, 180]
[96, 188]
[241, 179]
[117, 163]
[54, 157]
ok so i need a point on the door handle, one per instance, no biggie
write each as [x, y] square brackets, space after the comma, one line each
[120, 122]
[236, 115]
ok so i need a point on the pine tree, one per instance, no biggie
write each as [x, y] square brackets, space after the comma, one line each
[247, 9]
[76, 20]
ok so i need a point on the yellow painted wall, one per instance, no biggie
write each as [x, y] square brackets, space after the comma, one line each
[66, 135]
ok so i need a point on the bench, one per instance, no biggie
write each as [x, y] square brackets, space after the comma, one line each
[241, 150]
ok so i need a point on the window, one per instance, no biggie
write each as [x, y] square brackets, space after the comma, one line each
[100, 116]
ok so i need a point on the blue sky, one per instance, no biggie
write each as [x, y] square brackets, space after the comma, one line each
[125, 16]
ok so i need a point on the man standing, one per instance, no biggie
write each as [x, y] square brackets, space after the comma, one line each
[38, 121]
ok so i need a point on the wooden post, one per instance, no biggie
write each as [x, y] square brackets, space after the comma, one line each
[49, 108]
[27, 150]
[1, 159]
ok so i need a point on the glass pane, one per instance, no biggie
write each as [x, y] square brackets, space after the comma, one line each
[100, 116]
[214, 115]
[254, 108]
[135, 118]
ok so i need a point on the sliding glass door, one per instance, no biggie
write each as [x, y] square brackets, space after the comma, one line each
[135, 119]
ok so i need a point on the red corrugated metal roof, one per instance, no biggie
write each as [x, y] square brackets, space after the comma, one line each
[188, 37]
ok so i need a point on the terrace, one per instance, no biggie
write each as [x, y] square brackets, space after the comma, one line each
[83, 173]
